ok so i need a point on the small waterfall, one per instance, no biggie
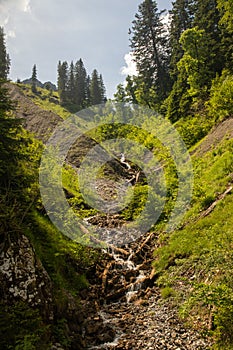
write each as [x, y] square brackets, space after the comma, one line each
[125, 263]
[106, 345]
[107, 320]
[129, 265]
[135, 287]
[125, 274]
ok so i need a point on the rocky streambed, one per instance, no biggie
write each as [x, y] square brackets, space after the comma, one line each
[149, 323]
[129, 311]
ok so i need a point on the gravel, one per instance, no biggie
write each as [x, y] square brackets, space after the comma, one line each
[150, 323]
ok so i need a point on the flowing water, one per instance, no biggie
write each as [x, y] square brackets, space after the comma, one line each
[129, 275]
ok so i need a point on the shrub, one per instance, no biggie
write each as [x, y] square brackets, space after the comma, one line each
[220, 105]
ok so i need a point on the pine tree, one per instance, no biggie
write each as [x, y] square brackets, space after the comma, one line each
[9, 141]
[76, 89]
[62, 82]
[80, 85]
[182, 16]
[71, 85]
[102, 89]
[96, 89]
[149, 44]
[130, 89]
[19, 160]
[34, 79]
[198, 57]
[88, 97]
[120, 94]
[207, 18]
[4, 57]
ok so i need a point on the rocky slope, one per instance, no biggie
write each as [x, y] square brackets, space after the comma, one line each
[217, 134]
[36, 120]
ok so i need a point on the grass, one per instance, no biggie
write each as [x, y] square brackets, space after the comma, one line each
[76, 200]
[197, 260]
[65, 261]
[46, 99]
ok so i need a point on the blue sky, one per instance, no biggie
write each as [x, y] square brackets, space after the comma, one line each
[43, 32]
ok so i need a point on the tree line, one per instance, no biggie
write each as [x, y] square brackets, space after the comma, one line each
[177, 61]
[78, 90]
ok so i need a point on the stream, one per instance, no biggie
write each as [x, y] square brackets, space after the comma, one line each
[123, 279]
[126, 309]
[133, 314]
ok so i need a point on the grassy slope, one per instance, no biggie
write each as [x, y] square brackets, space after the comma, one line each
[197, 260]
[51, 246]
[47, 100]
[65, 261]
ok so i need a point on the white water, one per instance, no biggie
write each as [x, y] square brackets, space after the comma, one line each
[135, 287]
[106, 345]
[118, 335]
[129, 265]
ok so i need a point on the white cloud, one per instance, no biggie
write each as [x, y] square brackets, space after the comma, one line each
[10, 34]
[11, 8]
[26, 6]
[130, 68]
[166, 20]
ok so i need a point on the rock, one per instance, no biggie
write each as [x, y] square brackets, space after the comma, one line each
[106, 336]
[23, 278]
[57, 346]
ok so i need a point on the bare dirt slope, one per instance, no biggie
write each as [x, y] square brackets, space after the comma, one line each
[42, 123]
[218, 133]
[36, 120]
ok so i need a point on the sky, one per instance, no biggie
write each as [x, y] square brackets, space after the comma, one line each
[43, 32]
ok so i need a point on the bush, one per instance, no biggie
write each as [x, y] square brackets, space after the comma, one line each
[22, 328]
[193, 128]
[220, 105]
[167, 292]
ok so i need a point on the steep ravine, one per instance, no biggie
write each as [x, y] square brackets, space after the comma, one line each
[130, 312]
[122, 308]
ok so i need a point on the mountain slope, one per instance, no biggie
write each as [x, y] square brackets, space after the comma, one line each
[192, 265]
[36, 120]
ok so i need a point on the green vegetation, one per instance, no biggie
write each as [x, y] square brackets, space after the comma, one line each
[194, 263]
[46, 99]
[22, 328]
[75, 198]
[66, 262]
[194, 128]
[185, 73]
[149, 45]
[220, 104]
[167, 292]
[196, 260]
[182, 67]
